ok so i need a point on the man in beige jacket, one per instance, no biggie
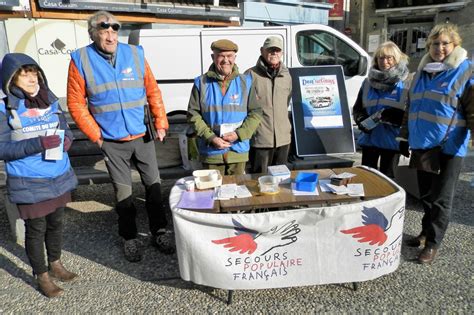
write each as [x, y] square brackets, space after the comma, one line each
[271, 142]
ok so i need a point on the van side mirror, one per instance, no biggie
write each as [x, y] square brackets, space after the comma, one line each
[363, 65]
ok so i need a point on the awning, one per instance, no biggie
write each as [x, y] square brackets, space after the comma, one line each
[164, 10]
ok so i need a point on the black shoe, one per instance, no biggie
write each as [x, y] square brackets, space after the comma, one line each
[418, 241]
[133, 250]
[164, 241]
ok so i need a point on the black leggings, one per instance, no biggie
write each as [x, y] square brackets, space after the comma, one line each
[40, 231]
[388, 159]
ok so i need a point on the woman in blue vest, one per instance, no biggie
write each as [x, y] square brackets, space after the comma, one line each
[40, 187]
[383, 94]
[440, 113]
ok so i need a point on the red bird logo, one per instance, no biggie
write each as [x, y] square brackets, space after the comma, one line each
[374, 228]
[31, 112]
[244, 241]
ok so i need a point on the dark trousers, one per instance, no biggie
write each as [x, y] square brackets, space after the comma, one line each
[43, 231]
[388, 159]
[119, 156]
[437, 193]
[261, 158]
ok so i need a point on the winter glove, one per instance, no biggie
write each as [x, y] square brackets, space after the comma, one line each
[50, 142]
[393, 116]
[403, 148]
[67, 144]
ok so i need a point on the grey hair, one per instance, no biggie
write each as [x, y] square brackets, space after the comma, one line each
[92, 21]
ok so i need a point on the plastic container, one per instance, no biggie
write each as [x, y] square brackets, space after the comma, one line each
[268, 185]
[306, 181]
[206, 179]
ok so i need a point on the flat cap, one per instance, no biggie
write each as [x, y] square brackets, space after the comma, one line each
[224, 45]
[273, 41]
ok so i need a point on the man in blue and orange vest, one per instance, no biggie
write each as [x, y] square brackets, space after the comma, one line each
[109, 86]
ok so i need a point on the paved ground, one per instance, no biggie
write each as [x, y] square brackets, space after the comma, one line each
[110, 284]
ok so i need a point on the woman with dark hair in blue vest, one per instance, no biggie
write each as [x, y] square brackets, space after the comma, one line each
[40, 187]
[383, 94]
[440, 113]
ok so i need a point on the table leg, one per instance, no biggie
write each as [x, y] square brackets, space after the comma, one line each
[355, 286]
[229, 296]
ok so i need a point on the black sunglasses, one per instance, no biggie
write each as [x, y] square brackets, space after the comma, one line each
[105, 26]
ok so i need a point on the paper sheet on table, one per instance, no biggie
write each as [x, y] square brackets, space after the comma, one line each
[323, 185]
[196, 200]
[356, 190]
[303, 193]
[343, 175]
[338, 190]
[243, 192]
[225, 192]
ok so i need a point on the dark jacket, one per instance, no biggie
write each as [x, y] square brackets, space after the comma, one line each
[28, 189]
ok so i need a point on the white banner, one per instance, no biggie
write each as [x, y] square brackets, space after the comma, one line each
[309, 246]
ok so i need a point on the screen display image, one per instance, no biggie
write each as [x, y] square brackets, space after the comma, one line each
[322, 122]
[321, 103]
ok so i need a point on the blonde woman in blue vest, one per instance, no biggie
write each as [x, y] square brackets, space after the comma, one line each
[385, 92]
[40, 187]
[441, 104]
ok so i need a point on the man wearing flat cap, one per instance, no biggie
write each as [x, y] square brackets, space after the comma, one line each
[272, 82]
[224, 112]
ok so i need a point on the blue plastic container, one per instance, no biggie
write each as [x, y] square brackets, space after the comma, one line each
[306, 181]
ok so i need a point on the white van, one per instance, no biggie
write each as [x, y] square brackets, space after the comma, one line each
[177, 56]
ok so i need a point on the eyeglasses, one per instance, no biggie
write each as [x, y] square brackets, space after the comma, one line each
[440, 44]
[273, 50]
[388, 58]
[105, 26]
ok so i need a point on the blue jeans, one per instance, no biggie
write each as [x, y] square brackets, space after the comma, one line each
[436, 194]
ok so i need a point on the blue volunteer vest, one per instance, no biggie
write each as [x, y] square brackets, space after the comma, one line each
[116, 96]
[27, 123]
[218, 109]
[383, 136]
[433, 102]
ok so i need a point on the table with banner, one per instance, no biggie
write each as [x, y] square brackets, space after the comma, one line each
[283, 240]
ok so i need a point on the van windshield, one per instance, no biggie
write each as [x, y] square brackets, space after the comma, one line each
[316, 48]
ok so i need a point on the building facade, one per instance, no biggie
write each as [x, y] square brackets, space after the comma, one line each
[408, 23]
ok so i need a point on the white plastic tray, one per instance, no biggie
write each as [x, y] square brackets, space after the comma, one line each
[203, 180]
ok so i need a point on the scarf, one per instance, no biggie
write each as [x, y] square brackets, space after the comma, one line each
[386, 80]
[452, 61]
[39, 100]
[272, 70]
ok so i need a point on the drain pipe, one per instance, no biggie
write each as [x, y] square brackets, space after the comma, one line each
[362, 22]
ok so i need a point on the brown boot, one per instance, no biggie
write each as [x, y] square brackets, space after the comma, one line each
[47, 286]
[57, 271]
[427, 255]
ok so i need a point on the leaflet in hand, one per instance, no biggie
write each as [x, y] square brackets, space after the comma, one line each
[229, 127]
[55, 153]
